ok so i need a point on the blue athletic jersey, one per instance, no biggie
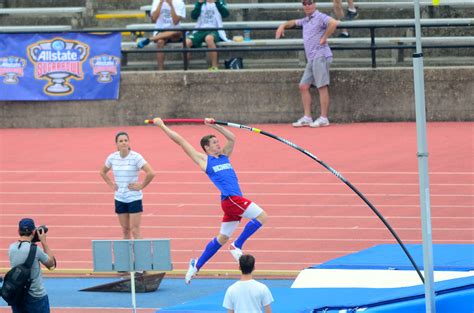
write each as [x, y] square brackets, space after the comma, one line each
[222, 174]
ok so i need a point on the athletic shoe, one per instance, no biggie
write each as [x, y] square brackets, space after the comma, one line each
[236, 252]
[143, 43]
[304, 121]
[192, 270]
[213, 69]
[350, 15]
[344, 35]
[320, 122]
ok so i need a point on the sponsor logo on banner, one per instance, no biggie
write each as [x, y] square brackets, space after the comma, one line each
[105, 66]
[58, 60]
[11, 68]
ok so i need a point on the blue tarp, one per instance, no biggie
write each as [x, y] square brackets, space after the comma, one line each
[456, 295]
[446, 257]
[408, 299]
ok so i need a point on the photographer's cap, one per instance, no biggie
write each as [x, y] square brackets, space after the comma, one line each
[26, 224]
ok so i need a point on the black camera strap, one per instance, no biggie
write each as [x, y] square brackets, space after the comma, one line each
[31, 256]
[21, 242]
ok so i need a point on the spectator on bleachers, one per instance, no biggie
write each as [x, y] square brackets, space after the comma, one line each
[350, 14]
[247, 295]
[166, 14]
[208, 13]
[317, 27]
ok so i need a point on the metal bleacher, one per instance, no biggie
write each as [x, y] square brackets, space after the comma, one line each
[75, 13]
[387, 36]
[369, 43]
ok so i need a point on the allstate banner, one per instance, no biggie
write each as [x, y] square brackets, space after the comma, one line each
[59, 66]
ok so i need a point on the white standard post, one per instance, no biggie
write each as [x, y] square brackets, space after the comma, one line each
[132, 276]
[422, 154]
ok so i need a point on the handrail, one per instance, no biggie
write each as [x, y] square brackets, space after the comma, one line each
[265, 25]
[43, 10]
[329, 5]
[269, 25]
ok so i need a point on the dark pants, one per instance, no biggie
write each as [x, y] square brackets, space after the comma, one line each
[32, 305]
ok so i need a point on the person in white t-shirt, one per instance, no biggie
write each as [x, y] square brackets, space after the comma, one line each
[166, 14]
[209, 14]
[247, 295]
[126, 165]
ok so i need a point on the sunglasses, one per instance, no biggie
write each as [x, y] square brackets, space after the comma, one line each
[307, 2]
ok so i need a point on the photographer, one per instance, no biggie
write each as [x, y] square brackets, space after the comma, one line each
[36, 301]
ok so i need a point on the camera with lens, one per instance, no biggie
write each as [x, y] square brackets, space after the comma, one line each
[43, 229]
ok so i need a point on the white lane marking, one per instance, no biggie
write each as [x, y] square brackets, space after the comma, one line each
[273, 194]
[244, 172]
[173, 183]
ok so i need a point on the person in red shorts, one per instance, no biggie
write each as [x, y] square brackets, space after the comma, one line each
[215, 163]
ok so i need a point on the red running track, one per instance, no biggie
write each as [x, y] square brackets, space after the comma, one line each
[52, 176]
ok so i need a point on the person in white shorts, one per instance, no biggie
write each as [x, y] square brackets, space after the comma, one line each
[167, 14]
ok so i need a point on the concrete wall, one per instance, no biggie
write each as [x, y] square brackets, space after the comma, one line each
[266, 96]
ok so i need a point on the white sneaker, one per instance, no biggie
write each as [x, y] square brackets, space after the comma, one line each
[192, 270]
[236, 252]
[303, 121]
[320, 122]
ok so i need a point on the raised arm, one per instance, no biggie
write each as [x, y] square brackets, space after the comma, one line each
[51, 262]
[175, 17]
[196, 12]
[198, 158]
[229, 146]
[156, 14]
[280, 32]
[221, 7]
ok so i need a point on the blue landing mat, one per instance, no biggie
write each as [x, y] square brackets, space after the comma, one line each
[289, 300]
[446, 257]
[456, 295]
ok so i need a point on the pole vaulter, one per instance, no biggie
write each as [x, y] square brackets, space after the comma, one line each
[312, 156]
